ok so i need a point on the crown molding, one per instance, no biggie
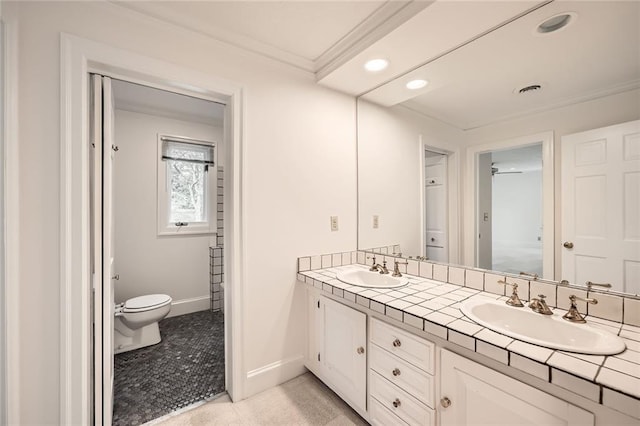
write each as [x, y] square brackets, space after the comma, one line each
[385, 19]
[379, 24]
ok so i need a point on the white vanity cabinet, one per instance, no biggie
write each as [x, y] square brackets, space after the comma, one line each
[474, 394]
[401, 381]
[337, 349]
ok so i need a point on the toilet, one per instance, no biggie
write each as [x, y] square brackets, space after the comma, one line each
[136, 321]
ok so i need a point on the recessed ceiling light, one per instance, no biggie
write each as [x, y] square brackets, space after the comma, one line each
[416, 84]
[556, 22]
[375, 65]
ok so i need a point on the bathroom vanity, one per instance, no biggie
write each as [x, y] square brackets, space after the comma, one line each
[395, 361]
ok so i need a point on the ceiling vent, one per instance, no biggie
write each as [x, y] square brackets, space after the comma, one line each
[529, 89]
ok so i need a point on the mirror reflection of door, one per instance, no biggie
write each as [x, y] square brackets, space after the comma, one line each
[509, 210]
[436, 238]
[601, 221]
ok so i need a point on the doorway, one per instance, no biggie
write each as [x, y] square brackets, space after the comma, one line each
[435, 197]
[509, 220]
[158, 179]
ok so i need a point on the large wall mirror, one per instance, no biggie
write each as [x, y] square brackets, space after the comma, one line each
[472, 168]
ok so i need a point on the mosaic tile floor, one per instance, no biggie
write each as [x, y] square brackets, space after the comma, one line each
[186, 367]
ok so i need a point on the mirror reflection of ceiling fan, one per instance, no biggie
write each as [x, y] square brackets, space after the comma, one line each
[496, 171]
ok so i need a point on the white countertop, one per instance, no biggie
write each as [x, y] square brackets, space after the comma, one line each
[434, 307]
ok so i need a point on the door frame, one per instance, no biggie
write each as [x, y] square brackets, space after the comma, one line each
[10, 346]
[453, 225]
[548, 197]
[79, 57]
[451, 205]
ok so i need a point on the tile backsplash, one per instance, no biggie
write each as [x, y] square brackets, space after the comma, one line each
[613, 307]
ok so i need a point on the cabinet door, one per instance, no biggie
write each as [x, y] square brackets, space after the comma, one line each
[481, 396]
[342, 355]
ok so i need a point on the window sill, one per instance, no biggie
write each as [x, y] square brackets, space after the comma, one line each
[184, 232]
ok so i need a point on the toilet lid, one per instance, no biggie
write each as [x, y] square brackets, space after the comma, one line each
[147, 301]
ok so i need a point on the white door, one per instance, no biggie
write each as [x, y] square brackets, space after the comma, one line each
[601, 206]
[342, 355]
[102, 190]
[437, 247]
[472, 394]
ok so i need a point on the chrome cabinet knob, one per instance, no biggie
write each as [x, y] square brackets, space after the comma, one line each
[397, 343]
[568, 244]
[445, 402]
[116, 277]
[360, 350]
[396, 372]
[396, 403]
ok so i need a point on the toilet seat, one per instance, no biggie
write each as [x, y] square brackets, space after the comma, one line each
[146, 303]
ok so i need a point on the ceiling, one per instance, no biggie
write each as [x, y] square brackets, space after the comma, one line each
[473, 53]
[147, 100]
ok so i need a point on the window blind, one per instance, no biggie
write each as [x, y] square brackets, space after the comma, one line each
[190, 152]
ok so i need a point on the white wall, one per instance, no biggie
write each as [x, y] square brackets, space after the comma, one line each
[609, 110]
[147, 263]
[299, 169]
[389, 172]
[517, 208]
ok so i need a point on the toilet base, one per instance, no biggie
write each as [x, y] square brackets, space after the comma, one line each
[126, 339]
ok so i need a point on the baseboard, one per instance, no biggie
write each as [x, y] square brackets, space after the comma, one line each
[188, 306]
[273, 374]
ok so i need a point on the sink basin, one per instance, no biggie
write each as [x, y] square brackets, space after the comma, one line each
[550, 331]
[364, 278]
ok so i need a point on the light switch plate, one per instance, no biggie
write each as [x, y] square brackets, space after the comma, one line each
[334, 223]
[376, 221]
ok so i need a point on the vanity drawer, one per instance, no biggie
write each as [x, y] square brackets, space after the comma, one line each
[410, 348]
[409, 378]
[400, 402]
[381, 416]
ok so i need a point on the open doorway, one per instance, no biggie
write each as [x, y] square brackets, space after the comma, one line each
[510, 213]
[435, 197]
[159, 224]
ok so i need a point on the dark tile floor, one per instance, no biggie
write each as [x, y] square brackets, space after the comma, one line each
[186, 367]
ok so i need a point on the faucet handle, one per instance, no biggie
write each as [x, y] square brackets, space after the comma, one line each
[514, 300]
[396, 268]
[573, 315]
[373, 265]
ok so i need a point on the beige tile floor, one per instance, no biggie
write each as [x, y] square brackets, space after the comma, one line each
[301, 401]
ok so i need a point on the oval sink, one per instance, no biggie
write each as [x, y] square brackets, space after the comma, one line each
[550, 331]
[363, 278]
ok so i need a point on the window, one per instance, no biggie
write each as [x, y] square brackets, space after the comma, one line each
[186, 186]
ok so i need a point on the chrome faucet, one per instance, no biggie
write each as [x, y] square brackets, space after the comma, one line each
[396, 268]
[540, 306]
[382, 268]
[573, 315]
[377, 267]
[514, 300]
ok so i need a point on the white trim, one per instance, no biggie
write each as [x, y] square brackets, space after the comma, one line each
[11, 216]
[188, 306]
[273, 374]
[79, 57]
[548, 198]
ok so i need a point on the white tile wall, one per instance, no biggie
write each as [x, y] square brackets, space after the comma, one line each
[440, 272]
[474, 279]
[456, 275]
[491, 284]
[608, 307]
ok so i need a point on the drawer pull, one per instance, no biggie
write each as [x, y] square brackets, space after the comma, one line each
[445, 402]
[360, 350]
[397, 343]
[396, 372]
[396, 403]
